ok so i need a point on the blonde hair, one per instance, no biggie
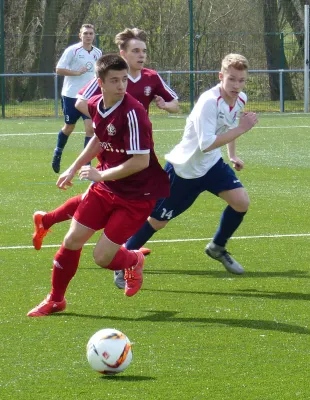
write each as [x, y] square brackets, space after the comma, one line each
[236, 61]
[122, 38]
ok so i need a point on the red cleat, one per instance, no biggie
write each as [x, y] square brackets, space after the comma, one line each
[145, 251]
[134, 276]
[47, 307]
[39, 231]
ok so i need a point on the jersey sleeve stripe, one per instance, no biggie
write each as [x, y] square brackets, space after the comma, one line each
[169, 90]
[133, 130]
[91, 88]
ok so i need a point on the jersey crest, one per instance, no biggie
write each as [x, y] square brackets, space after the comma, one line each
[147, 90]
[111, 130]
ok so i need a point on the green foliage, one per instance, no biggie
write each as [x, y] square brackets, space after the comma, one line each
[199, 333]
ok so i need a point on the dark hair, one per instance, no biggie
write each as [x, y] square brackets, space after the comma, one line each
[109, 62]
[122, 38]
[88, 26]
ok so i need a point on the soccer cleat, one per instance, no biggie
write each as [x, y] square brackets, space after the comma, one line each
[134, 276]
[119, 279]
[145, 251]
[47, 307]
[39, 231]
[221, 254]
[56, 162]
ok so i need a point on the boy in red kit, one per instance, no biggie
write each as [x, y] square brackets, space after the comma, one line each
[124, 192]
[144, 84]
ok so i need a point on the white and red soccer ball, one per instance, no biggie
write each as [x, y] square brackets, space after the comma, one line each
[109, 351]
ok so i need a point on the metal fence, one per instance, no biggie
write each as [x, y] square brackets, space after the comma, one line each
[258, 89]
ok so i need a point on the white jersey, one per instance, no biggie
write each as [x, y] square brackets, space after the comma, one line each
[73, 58]
[210, 117]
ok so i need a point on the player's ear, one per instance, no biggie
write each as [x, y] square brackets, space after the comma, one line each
[220, 75]
[100, 82]
[122, 53]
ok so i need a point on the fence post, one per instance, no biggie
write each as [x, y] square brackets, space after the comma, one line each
[56, 94]
[2, 57]
[191, 53]
[281, 90]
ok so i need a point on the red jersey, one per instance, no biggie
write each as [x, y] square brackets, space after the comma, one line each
[143, 88]
[124, 130]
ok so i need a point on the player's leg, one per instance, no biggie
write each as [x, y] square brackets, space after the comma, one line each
[183, 193]
[227, 186]
[71, 115]
[65, 265]
[130, 215]
[89, 130]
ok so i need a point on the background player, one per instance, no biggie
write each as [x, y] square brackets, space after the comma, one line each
[77, 66]
[125, 191]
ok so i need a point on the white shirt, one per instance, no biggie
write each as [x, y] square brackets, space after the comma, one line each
[210, 117]
[73, 58]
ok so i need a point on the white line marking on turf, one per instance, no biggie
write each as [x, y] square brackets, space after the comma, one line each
[155, 130]
[275, 236]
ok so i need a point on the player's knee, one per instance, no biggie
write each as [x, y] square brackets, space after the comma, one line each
[72, 243]
[68, 129]
[243, 203]
[156, 224]
[100, 259]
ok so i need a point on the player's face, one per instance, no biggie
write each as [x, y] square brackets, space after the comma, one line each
[135, 54]
[233, 82]
[114, 85]
[87, 36]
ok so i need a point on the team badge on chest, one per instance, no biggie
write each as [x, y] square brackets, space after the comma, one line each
[147, 90]
[111, 130]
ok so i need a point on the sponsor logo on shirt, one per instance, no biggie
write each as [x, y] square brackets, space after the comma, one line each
[147, 90]
[89, 66]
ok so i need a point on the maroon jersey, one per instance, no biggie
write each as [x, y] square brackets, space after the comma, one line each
[124, 130]
[143, 88]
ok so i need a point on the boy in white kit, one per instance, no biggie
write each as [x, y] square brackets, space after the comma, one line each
[77, 66]
[196, 165]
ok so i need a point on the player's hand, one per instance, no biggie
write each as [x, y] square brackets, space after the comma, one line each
[247, 121]
[237, 163]
[65, 179]
[160, 102]
[90, 173]
[82, 70]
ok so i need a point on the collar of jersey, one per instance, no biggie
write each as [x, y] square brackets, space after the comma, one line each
[134, 80]
[110, 110]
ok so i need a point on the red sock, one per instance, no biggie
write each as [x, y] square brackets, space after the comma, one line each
[62, 213]
[123, 259]
[66, 263]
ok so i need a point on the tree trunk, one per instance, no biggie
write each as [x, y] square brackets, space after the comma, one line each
[48, 47]
[273, 50]
[77, 21]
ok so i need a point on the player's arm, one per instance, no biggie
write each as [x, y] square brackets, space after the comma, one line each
[135, 164]
[170, 106]
[65, 62]
[70, 72]
[82, 106]
[91, 150]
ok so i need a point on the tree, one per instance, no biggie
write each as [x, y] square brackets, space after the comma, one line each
[274, 50]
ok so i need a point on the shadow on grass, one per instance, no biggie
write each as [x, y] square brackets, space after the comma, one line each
[171, 317]
[129, 378]
[225, 274]
[243, 293]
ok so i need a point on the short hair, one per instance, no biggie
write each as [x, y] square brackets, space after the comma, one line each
[122, 38]
[109, 62]
[236, 61]
[88, 26]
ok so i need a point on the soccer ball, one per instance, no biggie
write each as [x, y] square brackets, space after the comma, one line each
[109, 351]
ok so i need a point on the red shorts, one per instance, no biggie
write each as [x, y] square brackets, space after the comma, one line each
[120, 218]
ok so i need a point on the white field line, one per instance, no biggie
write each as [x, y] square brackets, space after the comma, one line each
[154, 130]
[275, 236]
